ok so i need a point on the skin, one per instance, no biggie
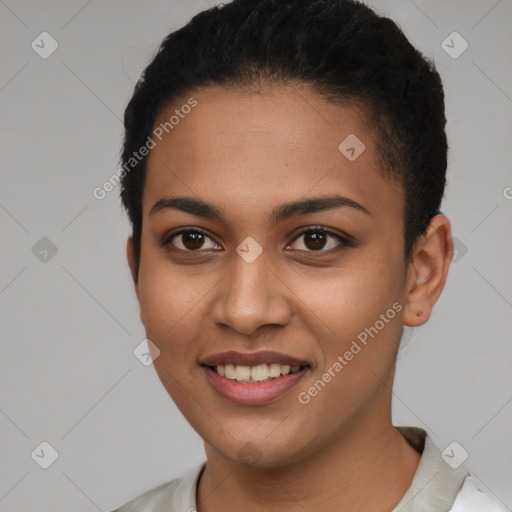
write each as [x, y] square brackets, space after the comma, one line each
[246, 153]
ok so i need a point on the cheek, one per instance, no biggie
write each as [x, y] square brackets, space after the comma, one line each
[173, 310]
[168, 298]
[353, 298]
[360, 312]
[169, 304]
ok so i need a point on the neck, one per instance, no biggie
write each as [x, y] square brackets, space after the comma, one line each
[369, 467]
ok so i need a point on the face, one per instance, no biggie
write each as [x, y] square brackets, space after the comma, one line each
[237, 289]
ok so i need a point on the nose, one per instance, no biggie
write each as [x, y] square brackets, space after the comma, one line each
[251, 296]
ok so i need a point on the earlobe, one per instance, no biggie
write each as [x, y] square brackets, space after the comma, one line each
[428, 271]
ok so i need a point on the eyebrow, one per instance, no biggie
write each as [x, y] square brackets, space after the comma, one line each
[279, 213]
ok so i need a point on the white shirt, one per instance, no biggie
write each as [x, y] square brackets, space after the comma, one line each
[436, 487]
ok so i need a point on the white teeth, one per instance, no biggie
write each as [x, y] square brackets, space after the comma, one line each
[242, 372]
[275, 370]
[258, 373]
[230, 371]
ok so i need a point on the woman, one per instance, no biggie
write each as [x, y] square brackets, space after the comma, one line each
[283, 168]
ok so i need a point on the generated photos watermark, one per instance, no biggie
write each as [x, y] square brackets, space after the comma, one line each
[101, 192]
[304, 397]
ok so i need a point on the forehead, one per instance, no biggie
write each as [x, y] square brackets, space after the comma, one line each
[258, 147]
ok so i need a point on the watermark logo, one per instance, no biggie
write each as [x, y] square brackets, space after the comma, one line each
[454, 45]
[101, 192]
[44, 250]
[44, 45]
[454, 455]
[44, 455]
[249, 454]
[249, 249]
[459, 250]
[146, 352]
[351, 147]
[304, 397]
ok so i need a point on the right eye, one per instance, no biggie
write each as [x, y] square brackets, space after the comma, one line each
[191, 240]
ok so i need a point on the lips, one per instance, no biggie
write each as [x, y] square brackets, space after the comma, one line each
[252, 359]
[253, 378]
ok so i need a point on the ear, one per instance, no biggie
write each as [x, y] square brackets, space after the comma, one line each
[428, 270]
[130, 256]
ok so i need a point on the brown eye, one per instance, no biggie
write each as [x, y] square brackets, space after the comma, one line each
[315, 241]
[319, 240]
[192, 240]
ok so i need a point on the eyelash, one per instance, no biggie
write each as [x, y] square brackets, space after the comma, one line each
[344, 241]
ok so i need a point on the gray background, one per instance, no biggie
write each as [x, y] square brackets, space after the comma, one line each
[69, 325]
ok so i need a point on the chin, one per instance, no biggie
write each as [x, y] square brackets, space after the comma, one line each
[258, 452]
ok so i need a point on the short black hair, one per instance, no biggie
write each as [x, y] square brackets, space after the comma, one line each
[342, 49]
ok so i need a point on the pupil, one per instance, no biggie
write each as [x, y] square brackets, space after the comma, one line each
[316, 239]
[193, 240]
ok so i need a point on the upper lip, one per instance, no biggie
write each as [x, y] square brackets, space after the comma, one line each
[252, 359]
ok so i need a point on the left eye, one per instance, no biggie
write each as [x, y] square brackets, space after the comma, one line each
[318, 240]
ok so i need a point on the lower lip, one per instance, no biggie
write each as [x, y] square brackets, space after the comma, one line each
[253, 393]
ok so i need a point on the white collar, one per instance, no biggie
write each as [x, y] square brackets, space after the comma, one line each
[434, 487]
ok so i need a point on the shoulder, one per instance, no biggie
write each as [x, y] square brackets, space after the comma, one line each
[178, 494]
[471, 498]
[149, 500]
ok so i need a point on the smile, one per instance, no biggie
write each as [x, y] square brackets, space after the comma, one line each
[260, 373]
[253, 379]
